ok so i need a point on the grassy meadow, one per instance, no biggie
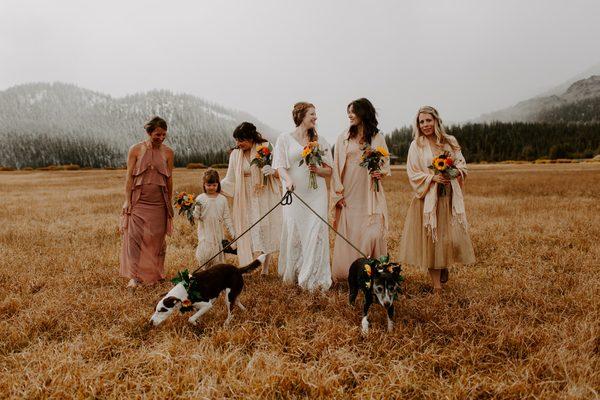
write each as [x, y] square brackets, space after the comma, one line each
[523, 322]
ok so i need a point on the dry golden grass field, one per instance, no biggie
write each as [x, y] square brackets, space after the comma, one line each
[524, 322]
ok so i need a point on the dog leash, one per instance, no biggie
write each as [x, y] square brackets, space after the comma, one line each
[330, 227]
[286, 200]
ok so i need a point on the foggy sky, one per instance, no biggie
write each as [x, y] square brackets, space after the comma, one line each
[464, 57]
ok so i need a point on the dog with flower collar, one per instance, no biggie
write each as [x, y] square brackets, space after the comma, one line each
[375, 276]
[199, 290]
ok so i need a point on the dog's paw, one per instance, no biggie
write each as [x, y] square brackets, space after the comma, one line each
[192, 321]
[390, 325]
[364, 325]
[262, 258]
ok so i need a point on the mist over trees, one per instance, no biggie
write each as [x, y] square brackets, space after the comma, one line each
[43, 124]
[527, 141]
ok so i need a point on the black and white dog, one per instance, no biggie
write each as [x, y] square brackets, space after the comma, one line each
[201, 289]
[373, 276]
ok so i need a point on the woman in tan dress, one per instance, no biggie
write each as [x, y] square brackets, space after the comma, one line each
[254, 190]
[435, 232]
[360, 211]
[147, 211]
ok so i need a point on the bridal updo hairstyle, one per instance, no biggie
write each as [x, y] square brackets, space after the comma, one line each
[299, 112]
[364, 109]
[247, 131]
[155, 122]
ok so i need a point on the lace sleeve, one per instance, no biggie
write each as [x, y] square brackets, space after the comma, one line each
[227, 217]
[280, 156]
[198, 209]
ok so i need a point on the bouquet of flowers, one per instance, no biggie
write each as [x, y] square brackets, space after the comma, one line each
[185, 203]
[312, 155]
[264, 156]
[444, 165]
[373, 159]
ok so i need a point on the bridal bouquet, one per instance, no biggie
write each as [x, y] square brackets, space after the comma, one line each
[444, 165]
[264, 156]
[312, 155]
[373, 159]
[185, 203]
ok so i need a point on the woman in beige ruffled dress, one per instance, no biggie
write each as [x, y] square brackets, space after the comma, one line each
[252, 197]
[360, 211]
[435, 232]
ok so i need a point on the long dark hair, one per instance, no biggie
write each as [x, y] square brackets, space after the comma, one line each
[298, 114]
[211, 176]
[247, 131]
[364, 109]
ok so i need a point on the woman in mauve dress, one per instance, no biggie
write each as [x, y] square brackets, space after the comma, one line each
[360, 211]
[147, 211]
[435, 232]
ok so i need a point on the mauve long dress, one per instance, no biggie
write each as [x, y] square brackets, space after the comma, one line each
[144, 245]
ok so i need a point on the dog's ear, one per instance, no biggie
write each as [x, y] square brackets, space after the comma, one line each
[396, 268]
[170, 301]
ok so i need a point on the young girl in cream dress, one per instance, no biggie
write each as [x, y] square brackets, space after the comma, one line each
[212, 214]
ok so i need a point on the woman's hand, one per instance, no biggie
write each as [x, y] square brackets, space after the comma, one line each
[376, 175]
[341, 203]
[320, 171]
[440, 179]
[126, 208]
[289, 185]
[267, 170]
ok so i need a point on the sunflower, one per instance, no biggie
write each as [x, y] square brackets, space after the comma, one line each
[382, 151]
[440, 164]
[306, 151]
[186, 303]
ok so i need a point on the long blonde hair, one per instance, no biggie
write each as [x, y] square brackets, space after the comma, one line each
[440, 132]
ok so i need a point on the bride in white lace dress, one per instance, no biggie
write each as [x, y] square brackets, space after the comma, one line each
[304, 251]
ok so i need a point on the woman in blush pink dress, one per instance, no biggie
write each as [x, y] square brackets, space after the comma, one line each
[360, 211]
[147, 211]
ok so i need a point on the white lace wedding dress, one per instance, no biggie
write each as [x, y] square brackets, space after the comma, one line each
[304, 251]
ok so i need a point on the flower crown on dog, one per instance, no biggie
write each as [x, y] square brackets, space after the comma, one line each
[187, 280]
[379, 266]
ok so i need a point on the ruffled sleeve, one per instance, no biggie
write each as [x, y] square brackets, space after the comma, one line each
[419, 177]
[280, 156]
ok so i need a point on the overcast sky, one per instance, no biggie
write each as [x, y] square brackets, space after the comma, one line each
[465, 57]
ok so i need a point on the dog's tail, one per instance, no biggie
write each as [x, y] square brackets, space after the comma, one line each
[254, 264]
